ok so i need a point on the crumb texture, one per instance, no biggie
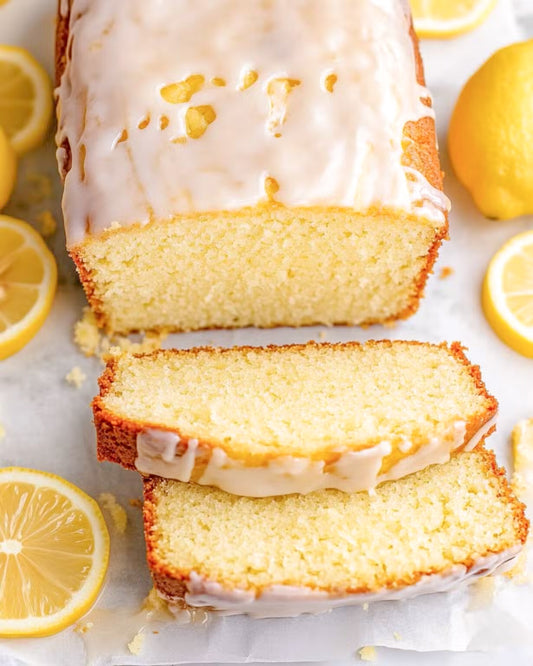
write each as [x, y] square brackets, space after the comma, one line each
[261, 267]
[301, 399]
[424, 523]
[117, 512]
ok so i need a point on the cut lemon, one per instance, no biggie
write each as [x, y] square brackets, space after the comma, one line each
[447, 18]
[8, 168]
[508, 293]
[54, 550]
[25, 98]
[28, 278]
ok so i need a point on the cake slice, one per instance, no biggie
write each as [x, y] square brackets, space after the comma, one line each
[293, 554]
[281, 170]
[293, 419]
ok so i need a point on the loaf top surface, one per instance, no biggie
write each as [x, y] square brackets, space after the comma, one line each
[174, 107]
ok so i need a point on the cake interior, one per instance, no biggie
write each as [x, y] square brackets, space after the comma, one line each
[263, 266]
[301, 399]
[423, 523]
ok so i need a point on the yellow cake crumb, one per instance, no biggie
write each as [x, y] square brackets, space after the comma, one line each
[522, 442]
[397, 635]
[522, 484]
[365, 606]
[368, 653]
[86, 333]
[135, 502]
[118, 514]
[83, 627]
[92, 342]
[149, 342]
[136, 644]
[156, 608]
[322, 335]
[47, 223]
[76, 377]
[445, 272]
[153, 602]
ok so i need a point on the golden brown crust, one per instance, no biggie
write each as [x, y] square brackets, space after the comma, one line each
[117, 437]
[420, 153]
[173, 583]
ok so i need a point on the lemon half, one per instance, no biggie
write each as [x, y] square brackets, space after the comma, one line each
[25, 98]
[447, 18]
[54, 551]
[28, 278]
[8, 168]
[507, 295]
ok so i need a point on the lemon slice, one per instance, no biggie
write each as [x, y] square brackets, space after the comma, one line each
[508, 293]
[8, 168]
[447, 18]
[28, 277]
[54, 550]
[25, 98]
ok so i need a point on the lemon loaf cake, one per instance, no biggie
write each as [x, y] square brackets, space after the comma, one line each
[297, 418]
[281, 170]
[305, 553]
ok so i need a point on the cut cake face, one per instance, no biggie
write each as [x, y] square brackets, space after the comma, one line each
[286, 555]
[281, 170]
[275, 420]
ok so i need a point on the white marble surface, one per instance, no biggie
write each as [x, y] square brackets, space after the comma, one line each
[48, 426]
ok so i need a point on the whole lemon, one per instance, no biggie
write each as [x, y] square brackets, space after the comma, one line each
[490, 139]
[8, 169]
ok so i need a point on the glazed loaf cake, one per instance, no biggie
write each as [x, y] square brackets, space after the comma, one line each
[281, 170]
[293, 554]
[297, 418]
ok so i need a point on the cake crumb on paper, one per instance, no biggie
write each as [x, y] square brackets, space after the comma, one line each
[322, 335]
[522, 485]
[365, 606]
[368, 653]
[397, 635]
[136, 644]
[118, 514]
[86, 333]
[47, 223]
[445, 272]
[2, 431]
[76, 377]
[136, 502]
[92, 342]
[83, 627]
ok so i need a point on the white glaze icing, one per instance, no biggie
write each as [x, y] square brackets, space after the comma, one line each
[163, 453]
[286, 601]
[340, 148]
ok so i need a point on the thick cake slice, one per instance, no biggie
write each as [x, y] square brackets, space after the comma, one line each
[268, 421]
[293, 554]
[281, 170]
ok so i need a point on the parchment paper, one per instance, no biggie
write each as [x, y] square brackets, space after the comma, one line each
[48, 426]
